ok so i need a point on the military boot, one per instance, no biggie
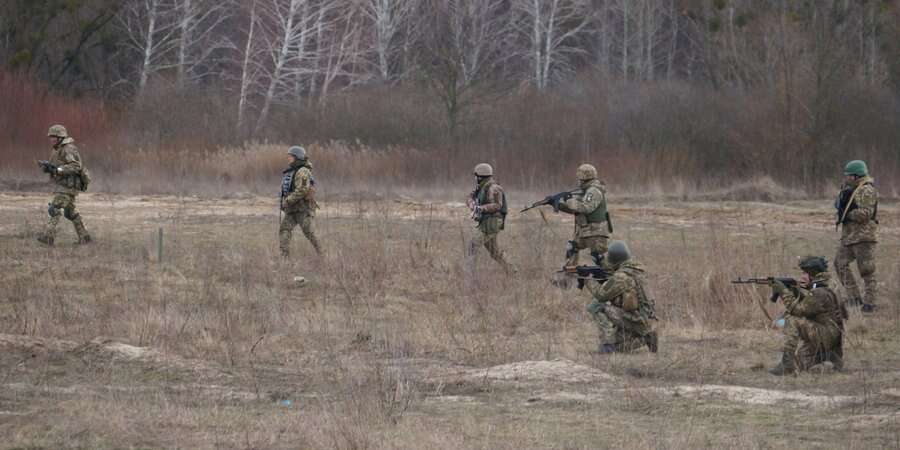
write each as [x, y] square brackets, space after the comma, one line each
[606, 349]
[867, 308]
[46, 239]
[85, 239]
[652, 341]
[785, 367]
[837, 361]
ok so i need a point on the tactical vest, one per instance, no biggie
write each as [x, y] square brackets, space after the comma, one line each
[598, 215]
[287, 181]
[844, 197]
[646, 305]
[482, 197]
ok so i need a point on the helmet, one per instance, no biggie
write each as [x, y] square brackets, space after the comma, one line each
[586, 172]
[856, 167]
[57, 131]
[484, 170]
[618, 252]
[814, 265]
[297, 152]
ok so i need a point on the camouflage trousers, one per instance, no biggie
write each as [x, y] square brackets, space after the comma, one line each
[290, 221]
[623, 330]
[489, 242]
[63, 205]
[809, 343]
[864, 255]
[596, 244]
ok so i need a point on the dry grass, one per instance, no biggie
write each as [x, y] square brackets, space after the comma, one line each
[367, 352]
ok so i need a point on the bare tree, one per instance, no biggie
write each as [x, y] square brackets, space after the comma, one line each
[249, 68]
[151, 31]
[464, 43]
[552, 28]
[389, 20]
[200, 35]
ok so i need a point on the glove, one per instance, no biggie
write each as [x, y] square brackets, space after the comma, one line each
[777, 288]
[556, 202]
[594, 307]
[478, 210]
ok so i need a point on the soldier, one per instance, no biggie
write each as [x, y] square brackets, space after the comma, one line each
[298, 201]
[814, 320]
[589, 208]
[67, 172]
[622, 308]
[488, 205]
[857, 210]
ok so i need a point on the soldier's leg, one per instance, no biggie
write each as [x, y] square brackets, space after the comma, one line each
[573, 248]
[638, 334]
[842, 266]
[72, 214]
[306, 224]
[493, 247]
[865, 261]
[792, 341]
[55, 210]
[598, 245]
[609, 324]
[288, 222]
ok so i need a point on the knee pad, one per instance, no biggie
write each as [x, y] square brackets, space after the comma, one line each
[70, 214]
[52, 211]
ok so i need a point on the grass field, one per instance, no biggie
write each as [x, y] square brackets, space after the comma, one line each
[389, 345]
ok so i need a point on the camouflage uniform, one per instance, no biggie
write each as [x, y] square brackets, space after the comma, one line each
[859, 235]
[622, 309]
[491, 220]
[68, 184]
[814, 325]
[591, 232]
[299, 205]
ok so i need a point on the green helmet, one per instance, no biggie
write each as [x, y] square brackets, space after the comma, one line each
[484, 170]
[586, 172]
[856, 167]
[814, 265]
[297, 152]
[58, 131]
[618, 252]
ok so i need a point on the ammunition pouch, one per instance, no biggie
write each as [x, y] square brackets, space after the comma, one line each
[52, 211]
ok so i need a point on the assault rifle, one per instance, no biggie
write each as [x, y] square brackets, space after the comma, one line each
[584, 273]
[47, 166]
[553, 200]
[791, 283]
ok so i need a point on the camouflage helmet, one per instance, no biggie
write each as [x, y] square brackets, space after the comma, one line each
[618, 252]
[814, 265]
[484, 170]
[58, 131]
[586, 172]
[856, 167]
[297, 152]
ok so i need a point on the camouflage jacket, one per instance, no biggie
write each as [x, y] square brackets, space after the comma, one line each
[66, 157]
[300, 197]
[589, 208]
[816, 302]
[626, 289]
[859, 223]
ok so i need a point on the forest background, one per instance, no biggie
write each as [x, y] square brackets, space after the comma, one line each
[664, 96]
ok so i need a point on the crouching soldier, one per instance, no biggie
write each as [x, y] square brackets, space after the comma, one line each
[297, 200]
[621, 307]
[70, 178]
[814, 320]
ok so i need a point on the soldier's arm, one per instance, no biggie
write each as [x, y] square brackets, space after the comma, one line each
[591, 200]
[493, 200]
[302, 186]
[805, 304]
[71, 162]
[865, 201]
[612, 289]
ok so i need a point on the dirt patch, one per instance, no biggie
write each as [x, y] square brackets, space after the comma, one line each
[557, 370]
[756, 396]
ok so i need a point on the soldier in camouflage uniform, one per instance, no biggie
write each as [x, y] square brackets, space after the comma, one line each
[488, 205]
[589, 208]
[622, 307]
[298, 200]
[66, 171]
[857, 211]
[814, 320]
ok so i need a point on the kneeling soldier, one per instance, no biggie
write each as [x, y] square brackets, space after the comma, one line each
[621, 307]
[814, 320]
